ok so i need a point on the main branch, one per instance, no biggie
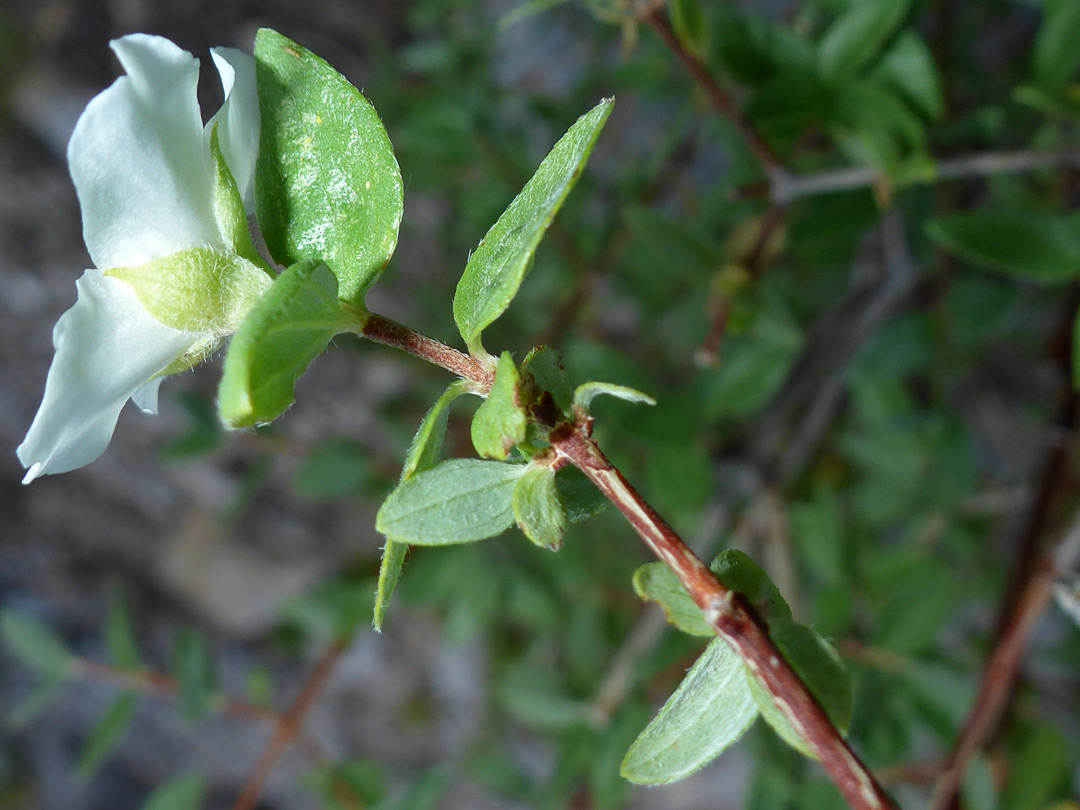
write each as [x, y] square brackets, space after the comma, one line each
[734, 620]
[727, 611]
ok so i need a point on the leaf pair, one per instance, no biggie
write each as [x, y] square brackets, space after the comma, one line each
[328, 198]
[719, 698]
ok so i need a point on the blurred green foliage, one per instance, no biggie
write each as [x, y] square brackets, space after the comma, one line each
[889, 536]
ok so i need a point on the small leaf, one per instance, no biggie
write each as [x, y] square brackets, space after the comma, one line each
[423, 453]
[537, 509]
[44, 693]
[708, 712]
[183, 792]
[498, 265]
[585, 393]
[288, 328]
[458, 501]
[204, 430]
[657, 583]
[1033, 245]
[349, 785]
[327, 184]
[194, 673]
[259, 687]
[580, 497]
[332, 470]
[35, 644]
[107, 734]
[690, 26]
[119, 637]
[739, 573]
[820, 668]
[909, 66]
[500, 422]
[1055, 56]
[393, 558]
[857, 36]
[546, 369]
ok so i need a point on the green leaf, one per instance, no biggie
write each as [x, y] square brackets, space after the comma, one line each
[1039, 768]
[858, 35]
[423, 453]
[709, 711]
[107, 734]
[739, 573]
[194, 673]
[259, 687]
[585, 393]
[580, 497]
[334, 469]
[349, 785]
[820, 668]
[657, 583]
[500, 422]
[498, 265]
[1056, 57]
[1032, 245]
[327, 184]
[35, 644]
[537, 509]
[204, 430]
[545, 367]
[289, 326]
[690, 26]
[909, 67]
[458, 501]
[183, 792]
[44, 693]
[119, 637]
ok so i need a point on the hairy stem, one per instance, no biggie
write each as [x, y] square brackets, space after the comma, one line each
[289, 725]
[733, 619]
[726, 611]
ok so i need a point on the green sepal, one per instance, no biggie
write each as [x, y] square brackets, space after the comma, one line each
[537, 509]
[229, 209]
[500, 422]
[497, 267]
[457, 501]
[197, 290]
[289, 326]
[327, 184]
[423, 453]
[818, 665]
[709, 711]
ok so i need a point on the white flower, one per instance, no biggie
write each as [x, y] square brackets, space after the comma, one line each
[164, 220]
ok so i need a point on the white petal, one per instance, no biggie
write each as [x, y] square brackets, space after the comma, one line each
[145, 396]
[238, 119]
[139, 162]
[107, 346]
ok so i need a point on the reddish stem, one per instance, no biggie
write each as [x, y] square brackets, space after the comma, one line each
[289, 726]
[731, 616]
